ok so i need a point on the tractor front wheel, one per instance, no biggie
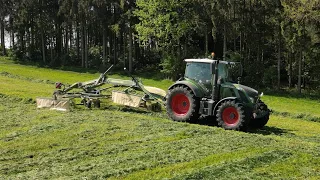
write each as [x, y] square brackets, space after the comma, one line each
[182, 105]
[260, 122]
[230, 115]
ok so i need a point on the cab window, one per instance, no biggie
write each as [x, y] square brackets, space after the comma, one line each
[199, 72]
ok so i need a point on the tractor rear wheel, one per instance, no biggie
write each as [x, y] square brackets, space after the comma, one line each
[231, 116]
[182, 105]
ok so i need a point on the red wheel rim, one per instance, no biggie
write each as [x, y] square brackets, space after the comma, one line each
[230, 116]
[180, 104]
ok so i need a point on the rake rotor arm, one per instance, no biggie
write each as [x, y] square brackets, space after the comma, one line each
[102, 77]
[139, 85]
[89, 84]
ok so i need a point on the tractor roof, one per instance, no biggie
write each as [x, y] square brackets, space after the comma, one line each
[206, 61]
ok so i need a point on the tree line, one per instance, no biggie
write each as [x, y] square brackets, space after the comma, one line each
[277, 41]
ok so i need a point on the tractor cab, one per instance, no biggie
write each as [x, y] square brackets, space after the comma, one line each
[203, 72]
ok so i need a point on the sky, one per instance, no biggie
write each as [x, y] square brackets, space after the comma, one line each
[7, 40]
[6, 35]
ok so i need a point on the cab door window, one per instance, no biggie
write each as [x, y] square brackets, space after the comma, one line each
[199, 72]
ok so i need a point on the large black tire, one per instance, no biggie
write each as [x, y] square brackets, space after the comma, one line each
[260, 122]
[231, 116]
[182, 105]
[97, 103]
[88, 104]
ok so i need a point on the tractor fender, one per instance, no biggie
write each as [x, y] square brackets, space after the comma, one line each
[196, 90]
[221, 101]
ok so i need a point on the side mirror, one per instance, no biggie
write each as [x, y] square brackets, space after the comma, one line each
[180, 77]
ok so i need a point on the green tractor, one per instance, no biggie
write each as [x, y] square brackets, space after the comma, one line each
[209, 88]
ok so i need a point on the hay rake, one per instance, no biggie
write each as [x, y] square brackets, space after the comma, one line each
[126, 92]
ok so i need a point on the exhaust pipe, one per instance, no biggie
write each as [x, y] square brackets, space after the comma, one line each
[215, 91]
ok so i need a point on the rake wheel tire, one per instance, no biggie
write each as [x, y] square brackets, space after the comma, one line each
[231, 116]
[89, 104]
[86, 103]
[97, 103]
[182, 105]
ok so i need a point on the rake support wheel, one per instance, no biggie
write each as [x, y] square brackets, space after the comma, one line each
[230, 115]
[182, 105]
[97, 103]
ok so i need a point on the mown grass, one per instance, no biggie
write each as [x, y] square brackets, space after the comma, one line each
[114, 144]
[124, 143]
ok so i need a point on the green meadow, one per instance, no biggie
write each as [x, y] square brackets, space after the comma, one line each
[116, 142]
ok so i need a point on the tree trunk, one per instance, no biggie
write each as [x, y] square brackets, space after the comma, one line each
[234, 19]
[51, 48]
[299, 74]
[279, 54]
[206, 41]
[240, 45]
[12, 40]
[78, 41]
[303, 70]
[123, 47]
[290, 69]
[59, 41]
[28, 42]
[114, 48]
[86, 37]
[3, 45]
[12, 32]
[104, 48]
[43, 45]
[137, 50]
[22, 41]
[71, 36]
[31, 34]
[224, 41]
[130, 49]
[58, 47]
[185, 48]
[109, 48]
[66, 40]
[83, 41]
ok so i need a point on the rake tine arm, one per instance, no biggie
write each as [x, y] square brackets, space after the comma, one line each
[102, 77]
[73, 86]
[141, 86]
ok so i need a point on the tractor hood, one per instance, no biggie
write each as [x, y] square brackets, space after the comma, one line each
[250, 91]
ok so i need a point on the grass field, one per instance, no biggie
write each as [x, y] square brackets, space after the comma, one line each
[121, 143]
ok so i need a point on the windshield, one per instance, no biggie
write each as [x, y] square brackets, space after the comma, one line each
[199, 72]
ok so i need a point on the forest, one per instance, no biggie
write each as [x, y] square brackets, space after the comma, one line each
[277, 41]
